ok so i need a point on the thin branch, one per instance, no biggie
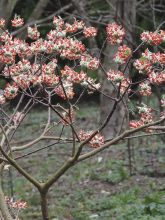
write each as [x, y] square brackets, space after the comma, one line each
[20, 169]
[117, 139]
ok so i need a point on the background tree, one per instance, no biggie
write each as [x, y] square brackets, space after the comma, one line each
[123, 12]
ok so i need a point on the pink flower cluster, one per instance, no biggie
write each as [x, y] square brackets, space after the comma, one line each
[145, 89]
[152, 65]
[17, 21]
[16, 204]
[48, 76]
[65, 90]
[157, 77]
[72, 75]
[154, 58]
[145, 117]
[26, 73]
[90, 32]
[89, 62]
[67, 47]
[33, 33]
[146, 114]
[96, 141]
[143, 65]
[153, 38]
[58, 22]
[125, 83]
[119, 78]
[123, 54]
[115, 76]
[10, 91]
[115, 33]
[69, 28]
[2, 23]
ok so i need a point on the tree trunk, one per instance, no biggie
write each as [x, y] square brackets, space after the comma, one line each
[124, 12]
[44, 206]
[4, 211]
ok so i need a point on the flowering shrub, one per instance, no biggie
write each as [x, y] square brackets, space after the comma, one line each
[34, 70]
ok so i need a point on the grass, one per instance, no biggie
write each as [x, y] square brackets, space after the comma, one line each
[99, 188]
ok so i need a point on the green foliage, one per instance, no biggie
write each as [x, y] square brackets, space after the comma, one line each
[116, 172]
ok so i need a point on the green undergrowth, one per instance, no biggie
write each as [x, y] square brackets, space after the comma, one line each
[99, 188]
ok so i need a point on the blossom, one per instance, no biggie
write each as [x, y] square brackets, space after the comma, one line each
[135, 124]
[33, 33]
[10, 91]
[2, 23]
[72, 28]
[23, 50]
[58, 22]
[124, 85]
[49, 79]
[17, 21]
[162, 58]
[72, 75]
[7, 54]
[39, 46]
[95, 142]
[5, 36]
[143, 65]
[115, 75]
[22, 81]
[145, 89]
[68, 48]
[153, 38]
[156, 77]
[53, 34]
[147, 55]
[22, 67]
[16, 204]
[78, 24]
[50, 67]
[89, 62]
[145, 113]
[65, 91]
[115, 33]
[90, 32]
[123, 54]
[145, 117]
